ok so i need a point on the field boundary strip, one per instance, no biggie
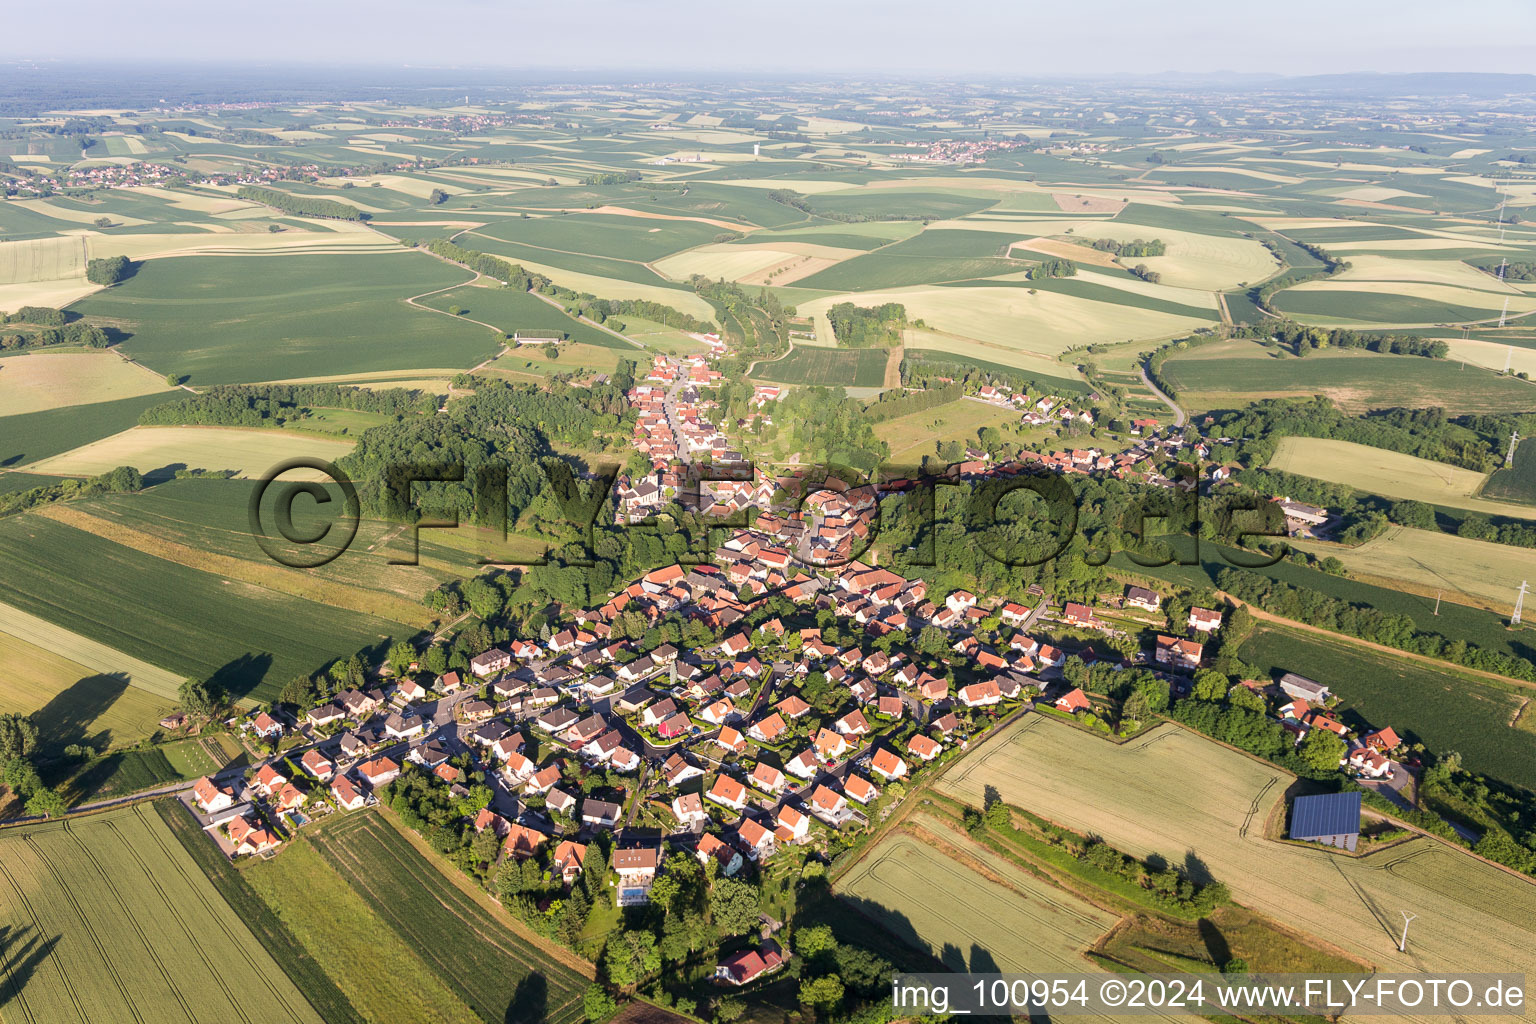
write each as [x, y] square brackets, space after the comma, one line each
[87, 653]
[273, 577]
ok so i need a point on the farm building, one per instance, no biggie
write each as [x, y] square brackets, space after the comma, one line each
[1332, 819]
[1302, 688]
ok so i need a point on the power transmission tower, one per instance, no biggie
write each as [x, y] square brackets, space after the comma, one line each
[1514, 620]
[1402, 945]
[1514, 439]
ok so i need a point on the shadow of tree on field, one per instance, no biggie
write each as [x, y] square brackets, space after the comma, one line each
[530, 1001]
[66, 718]
[239, 677]
[1216, 946]
[20, 955]
[1196, 870]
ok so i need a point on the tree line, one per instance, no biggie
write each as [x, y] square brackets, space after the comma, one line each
[301, 206]
[259, 405]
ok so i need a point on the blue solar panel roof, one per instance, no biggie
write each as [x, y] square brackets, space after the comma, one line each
[1329, 815]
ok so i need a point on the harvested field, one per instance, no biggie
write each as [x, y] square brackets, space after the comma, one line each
[1067, 251]
[1077, 203]
[1429, 559]
[250, 452]
[1011, 922]
[1217, 802]
[111, 921]
[53, 380]
[1389, 473]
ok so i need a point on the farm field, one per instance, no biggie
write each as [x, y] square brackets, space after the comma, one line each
[916, 891]
[1439, 707]
[1232, 374]
[1429, 560]
[513, 310]
[72, 703]
[1002, 323]
[1194, 259]
[1492, 355]
[112, 921]
[234, 319]
[1518, 482]
[31, 437]
[1389, 473]
[97, 658]
[918, 433]
[1172, 785]
[211, 517]
[255, 570]
[497, 972]
[250, 640]
[339, 931]
[1453, 621]
[159, 451]
[827, 367]
[49, 380]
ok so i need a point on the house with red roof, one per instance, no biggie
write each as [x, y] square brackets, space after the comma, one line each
[728, 792]
[1073, 701]
[887, 764]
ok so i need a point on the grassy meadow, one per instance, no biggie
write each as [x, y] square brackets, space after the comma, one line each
[827, 367]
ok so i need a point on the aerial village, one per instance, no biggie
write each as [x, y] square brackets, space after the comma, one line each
[807, 697]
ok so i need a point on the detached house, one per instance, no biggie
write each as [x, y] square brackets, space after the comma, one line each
[727, 792]
[1204, 619]
[490, 663]
[689, 810]
[212, 798]
[980, 694]
[747, 966]
[888, 765]
[767, 778]
[316, 764]
[1179, 654]
[710, 846]
[267, 727]
[379, 772]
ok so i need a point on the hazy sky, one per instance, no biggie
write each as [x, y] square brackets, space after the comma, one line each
[1026, 38]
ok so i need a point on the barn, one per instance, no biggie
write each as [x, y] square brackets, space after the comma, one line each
[1332, 819]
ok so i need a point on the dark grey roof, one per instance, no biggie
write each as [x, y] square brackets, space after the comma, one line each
[1332, 814]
